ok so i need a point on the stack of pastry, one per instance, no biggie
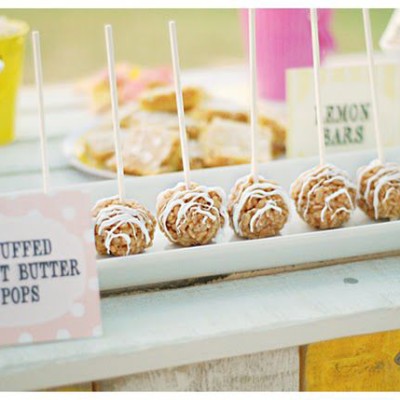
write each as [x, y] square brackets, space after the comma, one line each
[217, 130]
[227, 110]
[226, 142]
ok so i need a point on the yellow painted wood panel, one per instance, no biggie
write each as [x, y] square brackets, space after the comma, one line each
[358, 363]
[79, 387]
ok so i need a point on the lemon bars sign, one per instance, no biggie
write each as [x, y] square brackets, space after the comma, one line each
[347, 113]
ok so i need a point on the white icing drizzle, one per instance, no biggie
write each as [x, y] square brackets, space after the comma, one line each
[389, 173]
[112, 217]
[324, 175]
[101, 201]
[258, 190]
[333, 196]
[188, 200]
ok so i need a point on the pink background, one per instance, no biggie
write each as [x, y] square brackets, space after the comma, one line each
[283, 38]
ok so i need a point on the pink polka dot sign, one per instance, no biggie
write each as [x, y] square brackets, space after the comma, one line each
[48, 277]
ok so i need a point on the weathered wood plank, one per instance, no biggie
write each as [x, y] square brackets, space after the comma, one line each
[358, 363]
[268, 371]
[23, 156]
[33, 181]
[67, 111]
[152, 331]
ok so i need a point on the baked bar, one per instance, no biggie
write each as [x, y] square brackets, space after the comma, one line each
[220, 108]
[140, 118]
[163, 98]
[226, 142]
[149, 151]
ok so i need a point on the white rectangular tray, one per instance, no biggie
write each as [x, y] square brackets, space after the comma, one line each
[298, 244]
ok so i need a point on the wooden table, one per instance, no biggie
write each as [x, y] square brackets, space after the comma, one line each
[292, 331]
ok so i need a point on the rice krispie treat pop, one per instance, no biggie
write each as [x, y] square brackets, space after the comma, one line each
[257, 208]
[378, 184]
[378, 190]
[192, 215]
[122, 226]
[324, 195]
[188, 214]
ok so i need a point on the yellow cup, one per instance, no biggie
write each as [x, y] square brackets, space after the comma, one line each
[11, 63]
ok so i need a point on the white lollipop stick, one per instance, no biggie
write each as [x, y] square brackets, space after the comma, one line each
[372, 82]
[317, 88]
[253, 92]
[179, 102]
[37, 59]
[114, 107]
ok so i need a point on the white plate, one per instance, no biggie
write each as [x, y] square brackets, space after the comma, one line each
[297, 244]
[69, 150]
[227, 82]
